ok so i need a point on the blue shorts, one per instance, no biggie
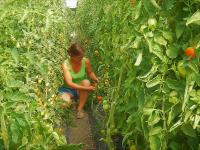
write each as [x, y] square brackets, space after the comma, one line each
[71, 91]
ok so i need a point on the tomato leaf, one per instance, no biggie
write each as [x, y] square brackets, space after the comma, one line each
[196, 122]
[155, 142]
[1, 96]
[155, 4]
[155, 130]
[154, 118]
[158, 51]
[149, 7]
[15, 132]
[160, 40]
[138, 60]
[16, 96]
[193, 67]
[197, 79]
[175, 125]
[195, 18]
[138, 10]
[15, 55]
[137, 42]
[188, 130]
[175, 84]
[169, 4]
[172, 51]
[147, 111]
[15, 84]
[126, 137]
[174, 145]
[155, 81]
[198, 45]
[180, 27]
[168, 35]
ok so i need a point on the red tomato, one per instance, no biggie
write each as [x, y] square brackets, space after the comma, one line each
[190, 52]
[99, 98]
[132, 2]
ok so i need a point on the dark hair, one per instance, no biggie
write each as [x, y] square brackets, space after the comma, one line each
[75, 50]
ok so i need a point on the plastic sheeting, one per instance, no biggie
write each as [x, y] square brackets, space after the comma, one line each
[71, 3]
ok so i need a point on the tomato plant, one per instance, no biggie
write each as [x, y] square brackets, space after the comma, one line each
[142, 105]
[181, 68]
[32, 45]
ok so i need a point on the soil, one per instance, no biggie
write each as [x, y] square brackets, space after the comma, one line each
[81, 132]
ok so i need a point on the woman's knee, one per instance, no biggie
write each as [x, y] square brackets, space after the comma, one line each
[85, 82]
[66, 96]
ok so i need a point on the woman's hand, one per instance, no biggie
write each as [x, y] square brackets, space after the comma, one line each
[97, 80]
[91, 88]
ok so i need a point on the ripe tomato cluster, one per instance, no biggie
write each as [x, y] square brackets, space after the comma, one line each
[190, 52]
[99, 98]
[181, 67]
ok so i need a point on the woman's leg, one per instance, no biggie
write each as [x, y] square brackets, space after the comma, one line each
[67, 98]
[83, 95]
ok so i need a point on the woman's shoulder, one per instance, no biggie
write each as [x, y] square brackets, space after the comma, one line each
[65, 64]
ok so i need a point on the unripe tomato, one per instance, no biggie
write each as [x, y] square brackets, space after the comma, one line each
[181, 68]
[152, 23]
[18, 45]
[173, 94]
[190, 52]
[105, 107]
[103, 132]
[132, 147]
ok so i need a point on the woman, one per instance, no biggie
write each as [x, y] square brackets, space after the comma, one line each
[76, 85]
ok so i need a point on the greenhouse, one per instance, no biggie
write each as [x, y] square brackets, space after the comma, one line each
[99, 74]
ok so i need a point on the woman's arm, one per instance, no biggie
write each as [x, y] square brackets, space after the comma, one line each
[89, 71]
[68, 80]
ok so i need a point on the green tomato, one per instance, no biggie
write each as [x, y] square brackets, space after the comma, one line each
[152, 23]
[132, 147]
[173, 100]
[105, 102]
[106, 107]
[181, 69]
[173, 94]
[103, 132]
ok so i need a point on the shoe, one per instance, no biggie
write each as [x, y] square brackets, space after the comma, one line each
[74, 107]
[80, 114]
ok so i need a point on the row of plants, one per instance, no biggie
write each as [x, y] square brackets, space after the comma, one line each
[33, 41]
[147, 57]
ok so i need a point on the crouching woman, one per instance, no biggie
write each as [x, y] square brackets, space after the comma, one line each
[75, 71]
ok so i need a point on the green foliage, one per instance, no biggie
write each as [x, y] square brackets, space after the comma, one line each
[32, 47]
[141, 106]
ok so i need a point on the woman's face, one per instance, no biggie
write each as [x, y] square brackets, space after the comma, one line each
[77, 58]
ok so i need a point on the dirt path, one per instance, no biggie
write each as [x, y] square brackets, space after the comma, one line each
[81, 133]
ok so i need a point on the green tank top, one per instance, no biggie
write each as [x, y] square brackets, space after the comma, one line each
[78, 76]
